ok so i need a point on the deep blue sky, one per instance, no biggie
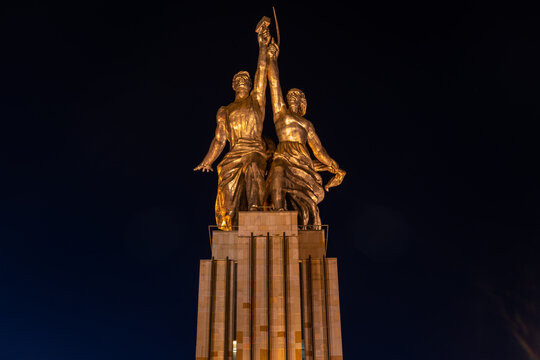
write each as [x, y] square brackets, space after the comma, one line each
[106, 107]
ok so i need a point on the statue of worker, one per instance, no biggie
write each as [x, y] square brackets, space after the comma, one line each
[241, 184]
[293, 182]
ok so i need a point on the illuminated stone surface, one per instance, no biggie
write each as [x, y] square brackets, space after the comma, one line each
[271, 289]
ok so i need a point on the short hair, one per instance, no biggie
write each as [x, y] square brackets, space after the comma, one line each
[303, 101]
[240, 73]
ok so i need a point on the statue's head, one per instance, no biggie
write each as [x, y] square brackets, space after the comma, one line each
[297, 101]
[241, 80]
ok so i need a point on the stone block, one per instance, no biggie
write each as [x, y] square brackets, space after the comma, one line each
[311, 243]
[259, 223]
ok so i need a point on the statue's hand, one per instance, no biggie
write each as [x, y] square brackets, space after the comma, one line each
[264, 37]
[203, 167]
[263, 33]
[336, 180]
[273, 50]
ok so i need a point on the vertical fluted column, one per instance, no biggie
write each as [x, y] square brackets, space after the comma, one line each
[203, 315]
[334, 318]
[294, 323]
[260, 297]
[243, 299]
[320, 350]
[277, 300]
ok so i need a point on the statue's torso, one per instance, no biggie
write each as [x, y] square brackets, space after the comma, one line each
[291, 127]
[244, 120]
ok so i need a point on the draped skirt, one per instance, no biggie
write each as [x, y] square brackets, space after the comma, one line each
[293, 173]
[242, 169]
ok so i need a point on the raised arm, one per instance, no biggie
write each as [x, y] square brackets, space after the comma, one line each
[259, 83]
[218, 143]
[278, 103]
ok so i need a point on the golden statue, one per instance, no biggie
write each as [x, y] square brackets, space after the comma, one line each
[293, 182]
[241, 184]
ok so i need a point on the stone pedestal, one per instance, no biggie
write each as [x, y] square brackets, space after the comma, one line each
[269, 292]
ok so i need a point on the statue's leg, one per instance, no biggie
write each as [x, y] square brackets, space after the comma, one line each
[277, 174]
[316, 217]
[230, 185]
[224, 215]
[255, 185]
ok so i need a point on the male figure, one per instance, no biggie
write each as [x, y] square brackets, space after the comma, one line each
[241, 172]
[293, 180]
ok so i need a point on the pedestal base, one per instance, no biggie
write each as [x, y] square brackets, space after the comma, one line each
[269, 292]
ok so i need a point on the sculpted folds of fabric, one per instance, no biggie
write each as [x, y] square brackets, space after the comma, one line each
[247, 158]
[301, 185]
[292, 182]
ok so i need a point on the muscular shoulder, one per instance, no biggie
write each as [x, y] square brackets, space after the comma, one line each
[255, 99]
[222, 114]
[307, 123]
[223, 110]
[302, 121]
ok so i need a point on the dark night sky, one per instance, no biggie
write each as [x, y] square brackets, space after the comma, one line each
[106, 107]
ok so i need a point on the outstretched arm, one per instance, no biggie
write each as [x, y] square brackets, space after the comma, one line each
[278, 103]
[320, 153]
[259, 84]
[217, 145]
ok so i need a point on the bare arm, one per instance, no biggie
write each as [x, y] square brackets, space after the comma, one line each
[319, 151]
[259, 85]
[278, 103]
[321, 155]
[218, 143]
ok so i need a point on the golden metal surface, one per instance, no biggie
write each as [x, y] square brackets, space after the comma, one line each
[241, 182]
[294, 182]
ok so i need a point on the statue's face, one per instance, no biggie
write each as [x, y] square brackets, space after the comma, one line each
[241, 81]
[297, 101]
